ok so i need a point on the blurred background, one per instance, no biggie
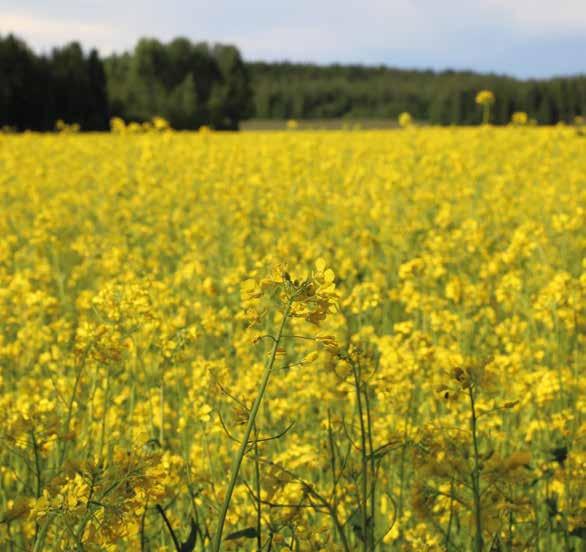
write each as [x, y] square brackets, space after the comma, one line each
[230, 65]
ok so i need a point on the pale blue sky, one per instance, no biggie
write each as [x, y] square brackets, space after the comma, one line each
[527, 38]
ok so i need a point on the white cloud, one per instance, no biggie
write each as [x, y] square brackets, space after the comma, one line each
[500, 35]
[331, 33]
[544, 16]
[44, 32]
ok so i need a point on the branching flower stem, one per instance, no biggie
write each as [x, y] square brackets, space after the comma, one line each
[237, 462]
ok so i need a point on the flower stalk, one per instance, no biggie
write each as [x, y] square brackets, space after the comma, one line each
[239, 456]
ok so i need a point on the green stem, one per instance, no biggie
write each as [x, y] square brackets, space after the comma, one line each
[104, 414]
[67, 424]
[40, 538]
[408, 416]
[332, 508]
[325, 503]
[257, 485]
[37, 464]
[478, 542]
[364, 460]
[510, 536]
[39, 484]
[372, 469]
[332, 455]
[450, 519]
[162, 408]
[169, 527]
[245, 439]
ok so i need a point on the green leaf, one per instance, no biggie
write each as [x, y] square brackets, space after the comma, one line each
[189, 544]
[248, 533]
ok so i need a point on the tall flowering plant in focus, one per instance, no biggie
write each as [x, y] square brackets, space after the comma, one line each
[310, 297]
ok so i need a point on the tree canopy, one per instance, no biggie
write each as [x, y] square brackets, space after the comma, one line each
[188, 84]
[305, 91]
[194, 84]
[36, 91]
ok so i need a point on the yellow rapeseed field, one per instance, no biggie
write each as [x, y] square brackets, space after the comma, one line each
[413, 301]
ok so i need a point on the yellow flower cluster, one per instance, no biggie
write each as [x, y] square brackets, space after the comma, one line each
[405, 120]
[519, 118]
[433, 281]
[485, 97]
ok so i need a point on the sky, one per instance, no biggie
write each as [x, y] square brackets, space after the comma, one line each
[524, 38]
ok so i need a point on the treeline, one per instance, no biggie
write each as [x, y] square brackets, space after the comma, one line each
[36, 91]
[302, 91]
[195, 84]
[188, 84]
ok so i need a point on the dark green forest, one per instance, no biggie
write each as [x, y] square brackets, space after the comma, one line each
[36, 91]
[285, 90]
[194, 84]
[188, 84]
